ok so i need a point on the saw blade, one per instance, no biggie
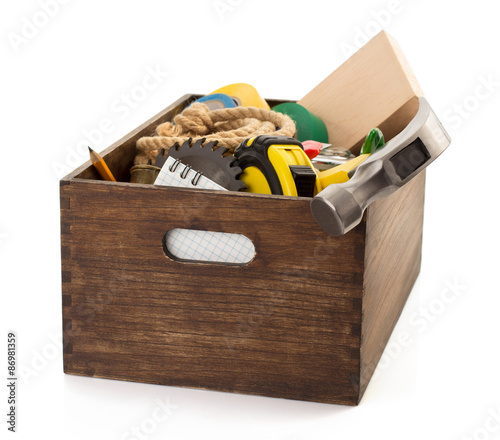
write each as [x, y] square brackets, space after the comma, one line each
[209, 161]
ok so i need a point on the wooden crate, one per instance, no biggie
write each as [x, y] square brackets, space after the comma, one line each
[308, 318]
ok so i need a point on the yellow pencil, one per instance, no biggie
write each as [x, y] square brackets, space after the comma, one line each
[101, 166]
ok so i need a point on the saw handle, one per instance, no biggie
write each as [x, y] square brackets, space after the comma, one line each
[340, 207]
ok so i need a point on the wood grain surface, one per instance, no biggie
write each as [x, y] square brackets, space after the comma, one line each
[365, 92]
[308, 318]
[287, 324]
[392, 264]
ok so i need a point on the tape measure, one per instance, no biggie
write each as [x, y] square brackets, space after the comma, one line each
[244, 95]
[276, 165]
[279, 165]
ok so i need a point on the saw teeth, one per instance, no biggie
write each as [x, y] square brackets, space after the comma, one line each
[238, 174]
[229, 159]
[211, 144]
[160, 159]
[220, 156]
[237, 171]
[186, 144]
[222, 150]
[198, 143]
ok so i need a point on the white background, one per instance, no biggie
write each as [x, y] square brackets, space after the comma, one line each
[439, 377]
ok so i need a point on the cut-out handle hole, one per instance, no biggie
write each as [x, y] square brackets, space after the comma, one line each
[194, 246]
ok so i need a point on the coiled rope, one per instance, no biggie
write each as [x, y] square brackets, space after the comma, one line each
[228, 126]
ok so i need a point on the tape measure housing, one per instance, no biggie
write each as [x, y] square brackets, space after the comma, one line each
[276, 165]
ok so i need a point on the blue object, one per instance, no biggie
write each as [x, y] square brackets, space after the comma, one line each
[217, 101]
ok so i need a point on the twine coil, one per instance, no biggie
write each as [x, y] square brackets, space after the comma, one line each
[229, 126]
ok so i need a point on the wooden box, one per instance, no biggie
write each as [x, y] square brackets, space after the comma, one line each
[308, 318]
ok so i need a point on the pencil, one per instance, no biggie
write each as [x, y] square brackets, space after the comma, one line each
[101, 166]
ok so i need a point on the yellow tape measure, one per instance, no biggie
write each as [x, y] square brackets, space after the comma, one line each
[279, 165]
[276, 165]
